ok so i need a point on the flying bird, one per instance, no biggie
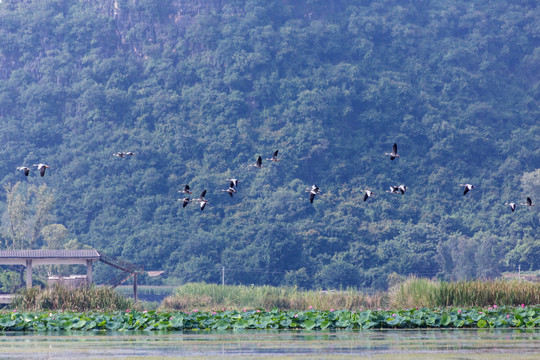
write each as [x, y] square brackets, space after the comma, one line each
[394, 190]
[402, 189]
[129, 153]
[367, 194]
[274, 156]
[201, 200]
[529, 202]
[393, 154]
[120, 154]
[234, 182]
[186, 190]
[25, 169]
[314, 190]
[512, 206]
[185, 201]
[468, 187]
[231, 190]
[42, 168]
[258, 163]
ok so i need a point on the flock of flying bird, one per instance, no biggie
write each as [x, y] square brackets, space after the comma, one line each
[313, 190]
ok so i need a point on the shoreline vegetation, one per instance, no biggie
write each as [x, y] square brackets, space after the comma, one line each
[414, 303]
[411, 293]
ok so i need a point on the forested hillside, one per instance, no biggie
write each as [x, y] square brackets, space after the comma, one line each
[199, 89]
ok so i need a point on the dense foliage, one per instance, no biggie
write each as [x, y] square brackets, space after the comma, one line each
[256, 319]
[199, 89]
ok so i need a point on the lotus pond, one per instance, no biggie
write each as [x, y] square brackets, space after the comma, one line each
[491, 317]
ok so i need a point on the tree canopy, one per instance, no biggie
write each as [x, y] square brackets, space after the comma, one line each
[199, 89]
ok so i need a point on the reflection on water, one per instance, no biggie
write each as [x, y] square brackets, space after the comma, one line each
[374, 344]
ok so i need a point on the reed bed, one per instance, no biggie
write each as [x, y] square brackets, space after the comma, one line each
[485, 293]
[418, 292]
[213, 297]
[63, 298]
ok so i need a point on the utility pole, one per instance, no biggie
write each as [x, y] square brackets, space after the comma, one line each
[223, 276]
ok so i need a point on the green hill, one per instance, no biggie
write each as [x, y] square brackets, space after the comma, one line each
[200, 89]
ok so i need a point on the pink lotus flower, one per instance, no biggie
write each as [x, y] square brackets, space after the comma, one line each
[172, 317]
[245, 310]
[310, 307]
[459, 311]
[214, 313]
[127, 310]
[354, 312]
[508, 316]
[494, 306]
[258, 311]
[195, 310]
[523, 305]
[394, 315]
[331, 309]
[295, 315]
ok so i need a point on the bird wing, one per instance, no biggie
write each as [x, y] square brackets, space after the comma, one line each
[529, 201]
[203, 204]
[259, 161]
[311, 197]
[231, 184]
[203, 194]
[466, 190]
[394, 148]
[366, 196]
[186, 188]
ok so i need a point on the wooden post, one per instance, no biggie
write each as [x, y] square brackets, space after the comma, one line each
[135, 286]
[89, 272]
[28, 273]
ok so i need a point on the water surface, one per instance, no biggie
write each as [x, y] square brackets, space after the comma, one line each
[372, 344]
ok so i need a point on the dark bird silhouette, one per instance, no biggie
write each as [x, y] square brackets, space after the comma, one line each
[42, 168]
[25, 169]
[393, 154]
[367, 194]
[120, 154]
[512, 206]
[529, 202]
[314, 190]
[468, 187]
[274, 156]
[258, 163]
[186, 190]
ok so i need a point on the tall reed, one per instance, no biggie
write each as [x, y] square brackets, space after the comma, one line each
[213, 296]
[418, 292]
[60, 297]
[484, 293]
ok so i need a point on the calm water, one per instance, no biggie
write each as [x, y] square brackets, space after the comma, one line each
[372, 344]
